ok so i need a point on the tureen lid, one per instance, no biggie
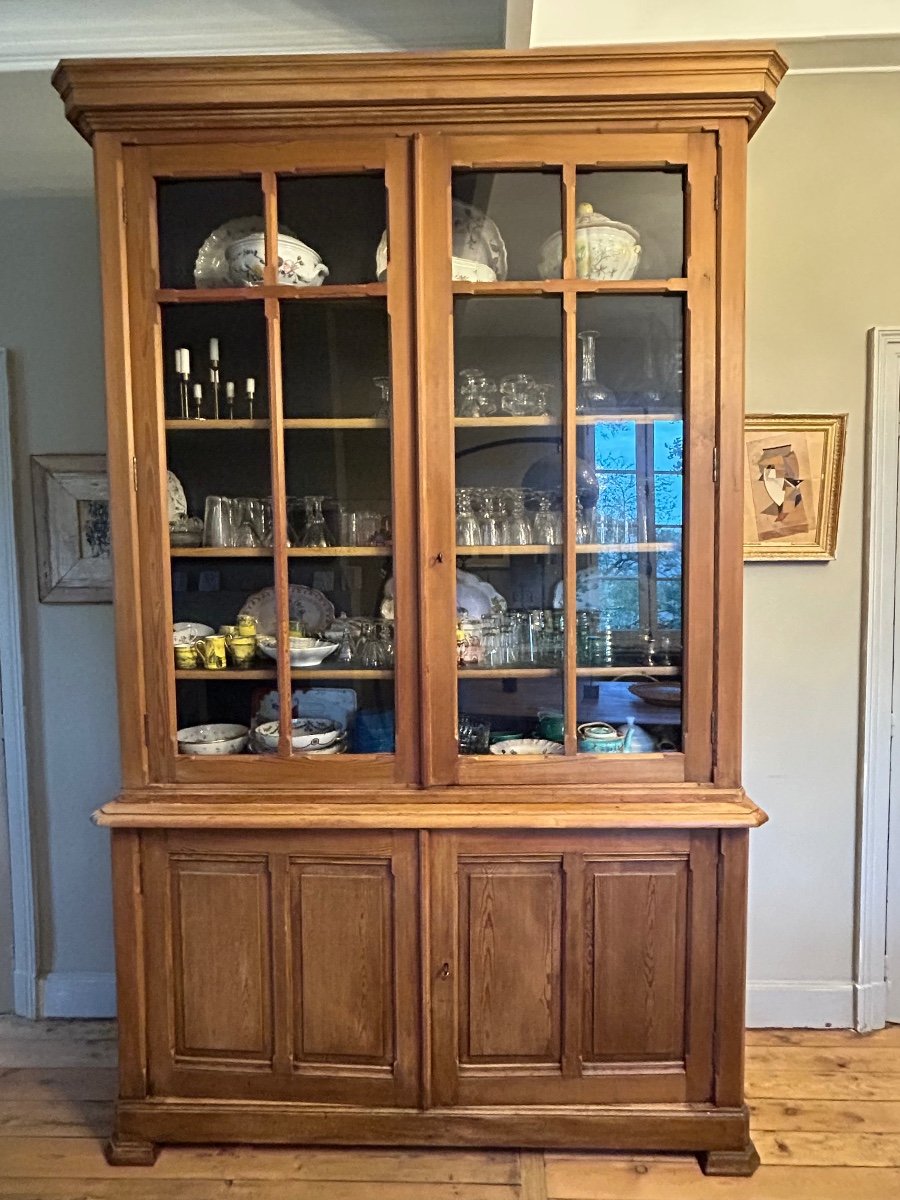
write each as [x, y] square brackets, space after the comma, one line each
[587, 218]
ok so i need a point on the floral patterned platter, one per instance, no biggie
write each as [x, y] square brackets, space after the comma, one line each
[305, 604]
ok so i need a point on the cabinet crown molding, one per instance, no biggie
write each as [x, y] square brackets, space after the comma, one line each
[688, 84]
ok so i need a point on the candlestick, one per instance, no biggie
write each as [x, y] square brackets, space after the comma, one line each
[198, 401]
[251, 392]
[229, 398]
[182, 373]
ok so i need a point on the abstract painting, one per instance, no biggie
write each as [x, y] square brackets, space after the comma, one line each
[792, 490]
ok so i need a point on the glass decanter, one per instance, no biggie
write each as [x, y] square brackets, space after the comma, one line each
[383, 384]
[316, 532]
[592, 396]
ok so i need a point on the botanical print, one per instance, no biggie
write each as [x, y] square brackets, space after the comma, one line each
[93, 518]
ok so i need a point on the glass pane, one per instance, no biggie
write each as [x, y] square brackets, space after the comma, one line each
[334, 358]
[222, 676]
[506, 225]
[340, 218]
[198, 219]
[496, 712]
[630, 224]
[628, 714]
[234, 384]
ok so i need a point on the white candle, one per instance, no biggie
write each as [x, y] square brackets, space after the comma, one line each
[198, 391]
[214, 350]
[251, 387]
[185, 362]
[229, 389]
[178, 355]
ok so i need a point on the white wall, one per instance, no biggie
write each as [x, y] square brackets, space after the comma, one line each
[583, 22]
[50, 323]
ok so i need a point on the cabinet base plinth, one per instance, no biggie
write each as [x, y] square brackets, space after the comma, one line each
[130, 1152]
[741, 1162]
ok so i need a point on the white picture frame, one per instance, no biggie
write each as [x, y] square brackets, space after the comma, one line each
[71, 528]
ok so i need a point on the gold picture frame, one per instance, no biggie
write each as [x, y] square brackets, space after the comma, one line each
[793, 468]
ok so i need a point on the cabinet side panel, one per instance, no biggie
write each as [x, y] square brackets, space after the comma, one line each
[342, 918]
[636, 959]
[221, 941]
[510, 938]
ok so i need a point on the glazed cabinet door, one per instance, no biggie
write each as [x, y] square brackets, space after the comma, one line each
[560, 968]
[568, 456]
[283, 967]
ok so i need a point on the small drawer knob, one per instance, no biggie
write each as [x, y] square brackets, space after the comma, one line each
[445, 971]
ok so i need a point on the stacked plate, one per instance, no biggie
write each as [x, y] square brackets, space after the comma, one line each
[309, 735]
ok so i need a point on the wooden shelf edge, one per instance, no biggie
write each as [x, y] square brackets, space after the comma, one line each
[446, 808]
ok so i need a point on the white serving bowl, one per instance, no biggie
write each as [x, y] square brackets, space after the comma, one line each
[539, 746]
[213, 739]
[604, 249]
[305, 652]
[307, 733]
[298, 264]
[185, 632]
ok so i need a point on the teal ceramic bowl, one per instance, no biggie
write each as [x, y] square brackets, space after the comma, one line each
[552, 725]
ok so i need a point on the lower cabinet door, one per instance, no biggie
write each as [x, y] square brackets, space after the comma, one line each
[572, 968]
[283, 965]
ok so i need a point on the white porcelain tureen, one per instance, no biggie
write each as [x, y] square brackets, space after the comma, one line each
[604, 249]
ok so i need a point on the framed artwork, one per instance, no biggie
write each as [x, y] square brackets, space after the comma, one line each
[793, 467]
[71, 527]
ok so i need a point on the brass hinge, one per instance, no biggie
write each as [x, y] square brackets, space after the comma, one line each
[715, 464]
[134, 472]
[716, 192]
[146, 730]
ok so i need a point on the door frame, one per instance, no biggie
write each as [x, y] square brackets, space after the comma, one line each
[877, 950]
[12, 728]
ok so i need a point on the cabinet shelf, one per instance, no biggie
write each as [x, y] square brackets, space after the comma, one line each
[340, 552]
[581, 287]
[344, 291]
[222, 423]
[601, 548]
[220, 551]
[613, 672]
[336, 423]
[269, 673]
[500, 422]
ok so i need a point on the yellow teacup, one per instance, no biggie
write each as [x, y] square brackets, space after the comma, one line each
[246, 626]
[242, 650]
[228, 631]
[187, 658]
[212, 651]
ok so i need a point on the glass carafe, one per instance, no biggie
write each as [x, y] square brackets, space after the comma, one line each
[592, 395]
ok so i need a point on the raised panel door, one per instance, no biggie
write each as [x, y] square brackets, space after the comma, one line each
[559, 967]
[283, 965]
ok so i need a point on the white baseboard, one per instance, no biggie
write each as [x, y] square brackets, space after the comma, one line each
[25, 994]
[798, 1004]
[78, 994]
[871, 1006]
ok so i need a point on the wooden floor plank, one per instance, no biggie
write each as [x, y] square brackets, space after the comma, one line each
[789, 1085]
[53, 1053]
[55, 1118]
[831, 1038]
[870, 1055]
[854, 1149]
[835, 1116]
[206, 1189]
[68, 1032]
[533, 1175]
[58, 1083]
[593, 1177]
[82, 1158]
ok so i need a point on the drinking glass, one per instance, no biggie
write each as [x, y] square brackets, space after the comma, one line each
[584, 533]
[218, 522]
[468, 527]
[547, 522]
[515, 395]
[468, 392]
[516, 526]
[491, 518]
[316, 532]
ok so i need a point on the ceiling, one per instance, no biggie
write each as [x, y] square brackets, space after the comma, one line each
[35, 34]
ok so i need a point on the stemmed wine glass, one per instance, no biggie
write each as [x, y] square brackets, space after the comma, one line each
[516, 527]
[547, 522]
[468, 527]
[316, 532]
